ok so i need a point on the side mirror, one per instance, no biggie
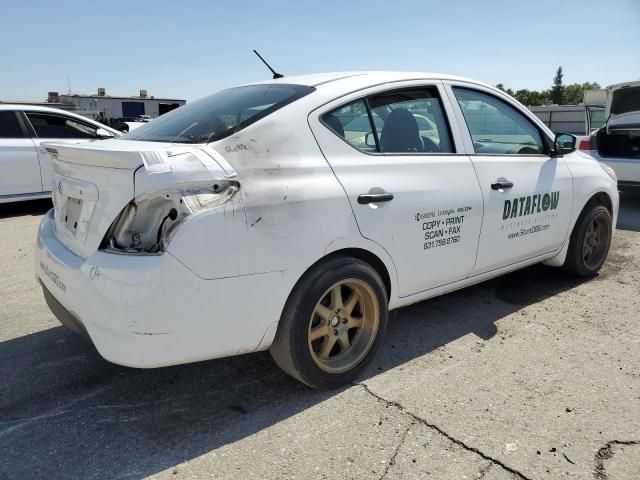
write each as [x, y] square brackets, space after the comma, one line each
[564, 143]
[102, 134]
[370, 140]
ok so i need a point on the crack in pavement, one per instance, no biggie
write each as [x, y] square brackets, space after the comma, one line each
[605, 453]
[460, 443]
[392, 460]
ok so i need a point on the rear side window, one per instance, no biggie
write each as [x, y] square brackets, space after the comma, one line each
[402, 121]
[9, 126]
[352, 123]
[49, 125]
[219, 115]
[411, 121]
[496, 127]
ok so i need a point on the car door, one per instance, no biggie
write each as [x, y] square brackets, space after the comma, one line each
[395, 154]
[19, 166]
[59, 128]
[527, 193]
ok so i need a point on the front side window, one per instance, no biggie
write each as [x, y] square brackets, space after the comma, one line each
[9, 126]
[49, 125]
[496, 127]
[405, 121]
[219, 115]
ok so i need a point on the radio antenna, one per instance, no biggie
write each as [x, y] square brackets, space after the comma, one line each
[275, 74]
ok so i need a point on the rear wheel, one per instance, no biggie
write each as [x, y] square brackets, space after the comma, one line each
[332, 324]
[590, 241]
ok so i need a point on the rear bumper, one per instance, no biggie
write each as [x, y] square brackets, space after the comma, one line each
[64, 316]
[152, 311]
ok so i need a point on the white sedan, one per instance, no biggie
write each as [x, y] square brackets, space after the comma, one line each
[25, 166]
[293, 214]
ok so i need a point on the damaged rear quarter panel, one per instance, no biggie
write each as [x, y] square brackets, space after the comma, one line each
[294, 205]
[211, 243]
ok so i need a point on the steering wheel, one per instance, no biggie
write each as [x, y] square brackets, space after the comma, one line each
[429, 145]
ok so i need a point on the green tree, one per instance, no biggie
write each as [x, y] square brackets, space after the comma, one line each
[571, 94]
[505, 90]
[557, 90]
[574, 93]
[532, 98]
[523, 96]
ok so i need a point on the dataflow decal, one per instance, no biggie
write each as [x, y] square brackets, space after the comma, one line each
[540, 202]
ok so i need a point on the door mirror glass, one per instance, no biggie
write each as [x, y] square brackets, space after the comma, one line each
[564, 143]
[101, 133]
[370, 140]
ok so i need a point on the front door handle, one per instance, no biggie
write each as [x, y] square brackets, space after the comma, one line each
[501, 185]
[367, 198]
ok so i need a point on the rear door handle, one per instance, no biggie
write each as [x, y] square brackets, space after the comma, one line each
[367, 198]
[501, 185]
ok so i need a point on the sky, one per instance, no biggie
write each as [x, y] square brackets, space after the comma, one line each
[189, 49]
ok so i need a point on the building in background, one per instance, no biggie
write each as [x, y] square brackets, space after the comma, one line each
[579, 119]
[117, 107]
[562, 118]
[108, 107]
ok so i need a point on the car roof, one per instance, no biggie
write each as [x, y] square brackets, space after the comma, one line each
[333, 85]
[362, 79]
[59, 111]
[31, 108]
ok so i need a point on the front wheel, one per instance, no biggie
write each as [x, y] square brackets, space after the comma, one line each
[590, 241]
[332, 324]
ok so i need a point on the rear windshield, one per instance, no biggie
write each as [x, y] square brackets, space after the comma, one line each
[218, 115]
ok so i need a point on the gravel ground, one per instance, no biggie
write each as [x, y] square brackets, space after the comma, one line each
[533, 375]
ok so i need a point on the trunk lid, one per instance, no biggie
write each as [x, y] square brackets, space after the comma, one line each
[625, 122]
[623, 107]
[93, 182]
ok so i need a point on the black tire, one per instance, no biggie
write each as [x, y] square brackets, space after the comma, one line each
[583, 259]
[292, 347]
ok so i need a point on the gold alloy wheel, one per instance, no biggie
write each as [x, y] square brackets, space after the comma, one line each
[343, 326]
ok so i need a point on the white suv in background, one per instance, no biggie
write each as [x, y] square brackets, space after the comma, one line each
[617, 143]
[25, 166]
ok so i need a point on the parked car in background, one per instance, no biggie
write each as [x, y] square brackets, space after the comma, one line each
[126, 124]
[25, 165]
[595, 102]
[293, 214]
[617, 143]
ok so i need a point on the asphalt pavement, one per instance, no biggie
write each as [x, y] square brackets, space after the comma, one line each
[533, 375]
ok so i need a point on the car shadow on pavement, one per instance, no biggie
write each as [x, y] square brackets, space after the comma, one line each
[67, 413]
[629, 215]
[20, 209]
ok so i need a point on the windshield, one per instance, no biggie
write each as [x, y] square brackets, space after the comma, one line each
[218, 115]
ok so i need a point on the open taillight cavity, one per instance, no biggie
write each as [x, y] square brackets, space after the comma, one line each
[147, 223]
